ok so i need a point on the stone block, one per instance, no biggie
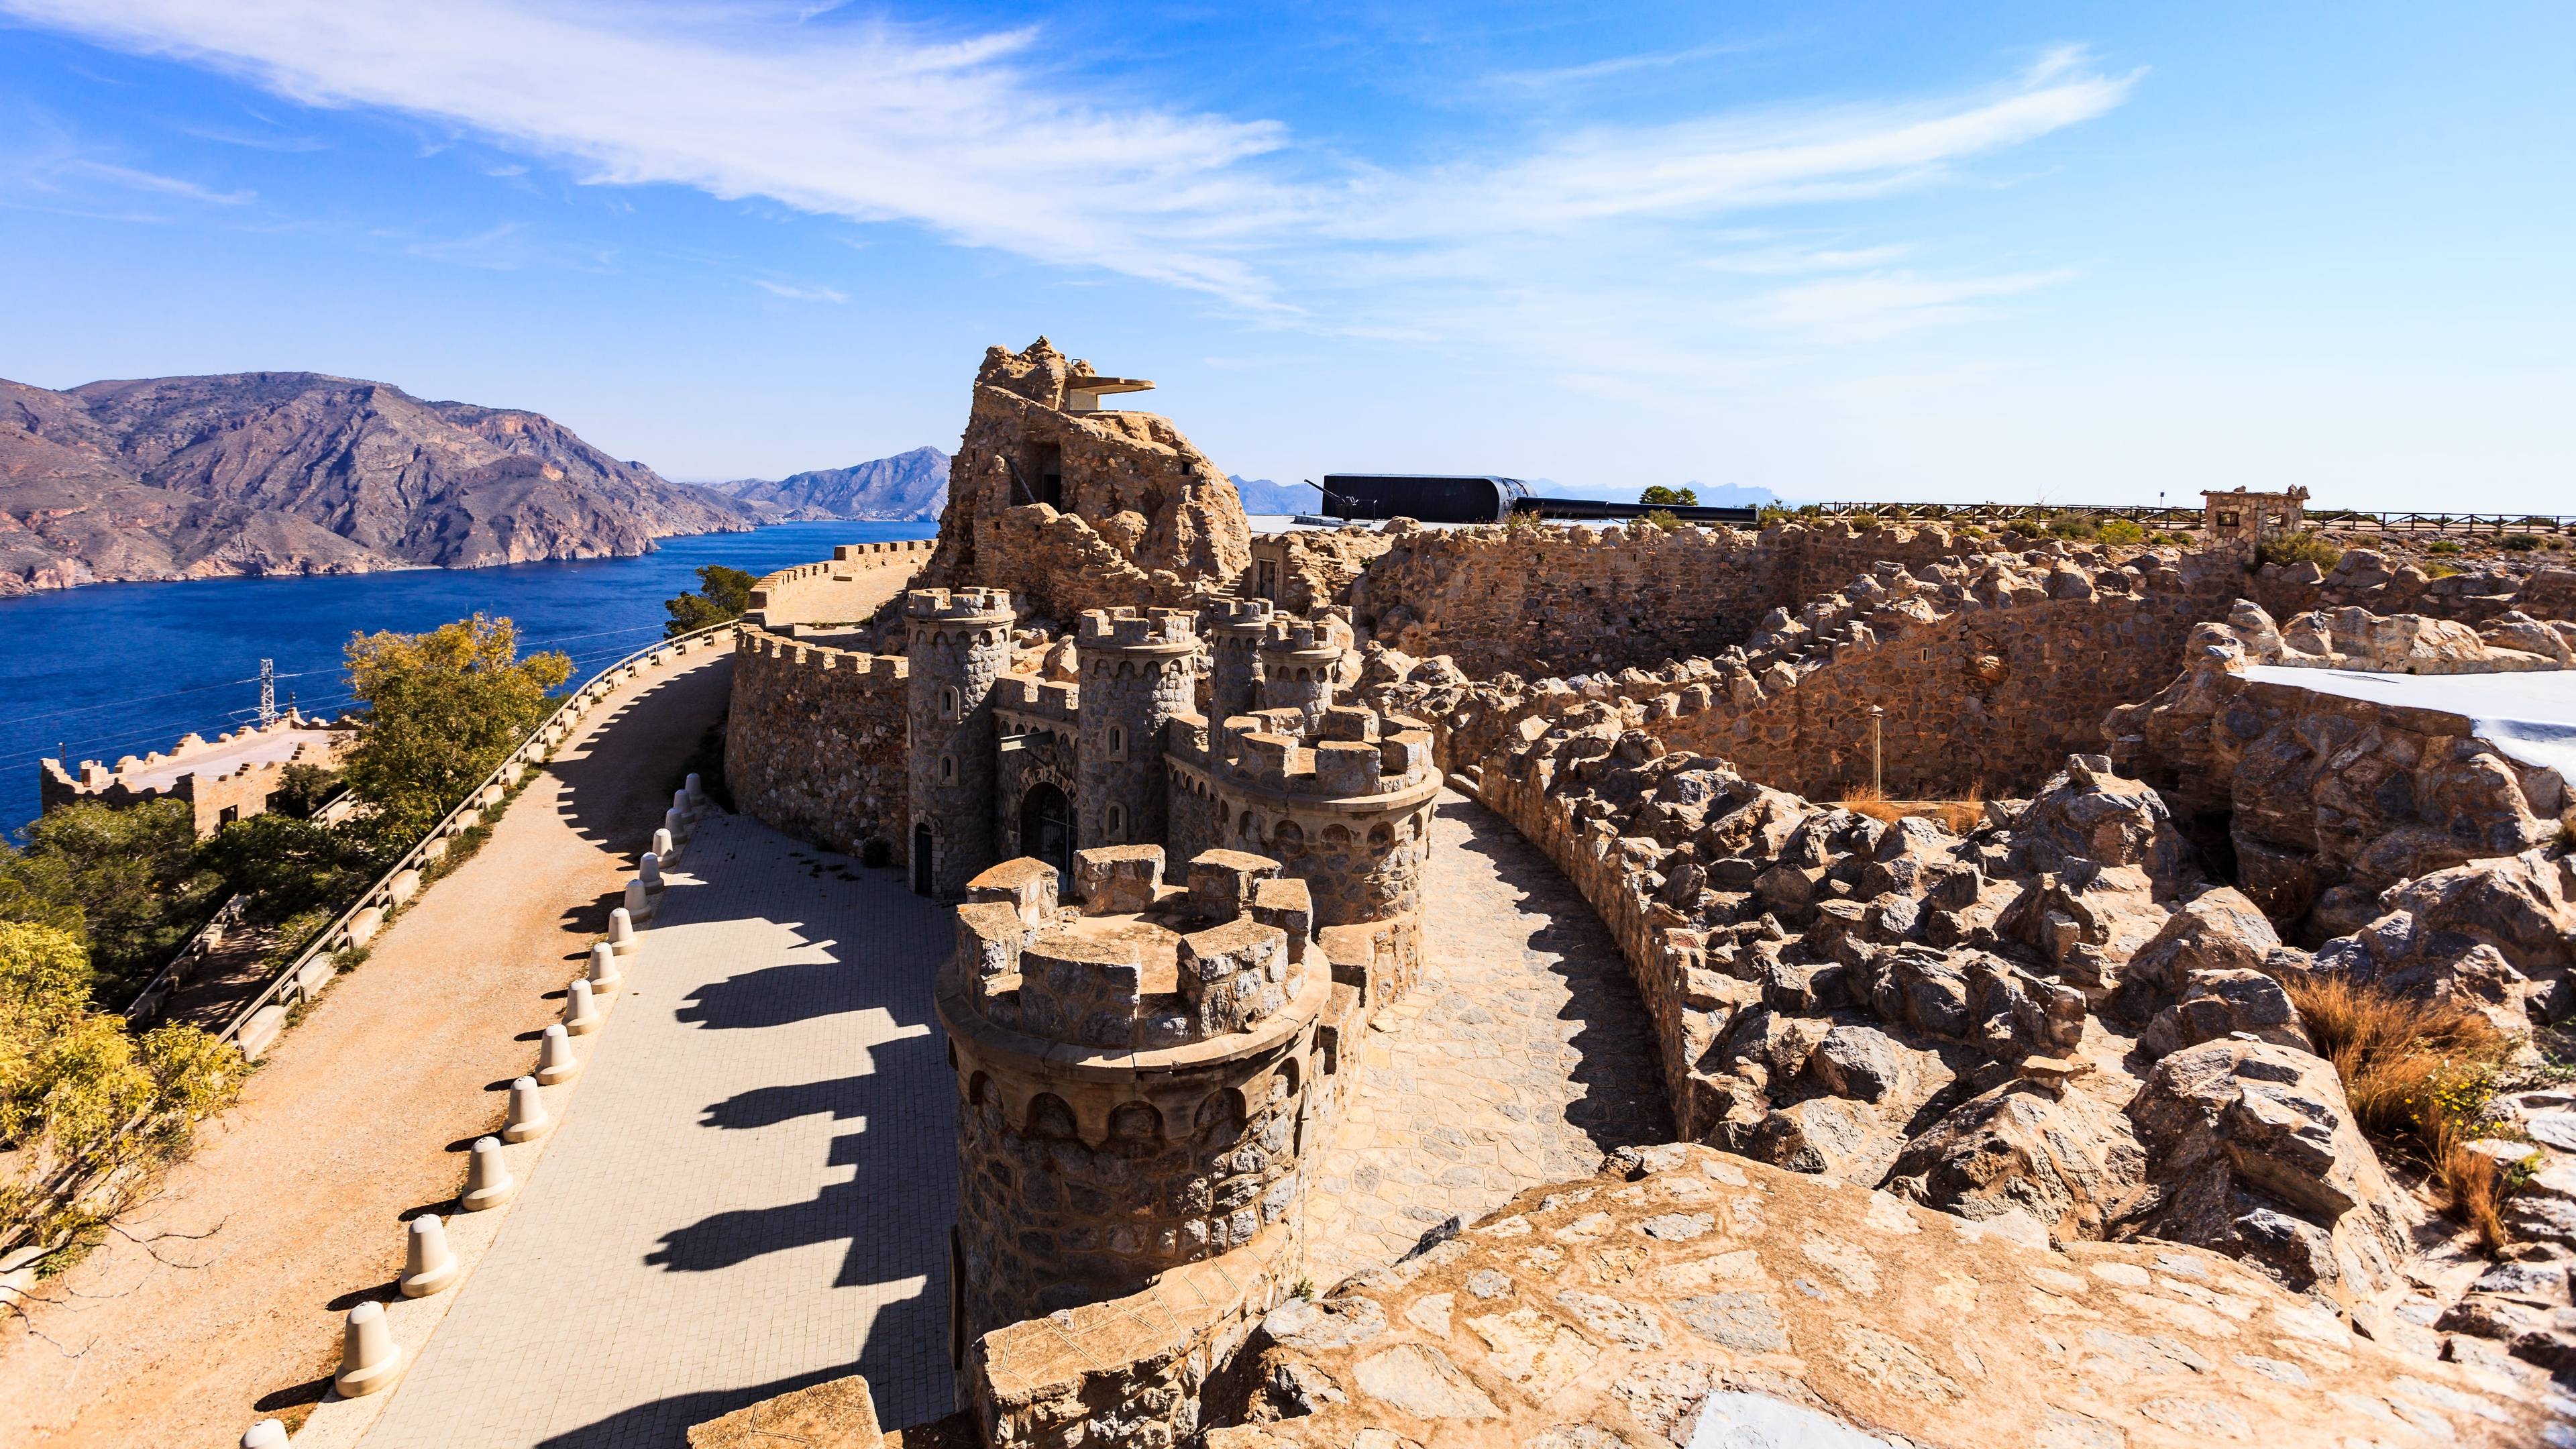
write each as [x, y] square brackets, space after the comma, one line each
[838, 1414]
[1080, 989]
[989, 937]
[1234, 974]
[1118, 879]
[1285, 902]
[1027, 885]
[1222, 881]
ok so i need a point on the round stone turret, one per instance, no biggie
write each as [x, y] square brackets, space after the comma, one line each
[1234, 672]
[958, 643]
[1346, 807]
[1132, 1075]
[1299, 661]
[1137, 671]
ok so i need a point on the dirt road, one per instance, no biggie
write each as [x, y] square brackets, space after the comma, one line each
[220, 1300]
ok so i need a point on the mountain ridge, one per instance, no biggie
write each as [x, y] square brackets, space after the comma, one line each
[260, 473]
[903, 488]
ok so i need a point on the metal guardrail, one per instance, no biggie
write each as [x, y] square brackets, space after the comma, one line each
[290, 984]
[2161, 516]
[147, 1004]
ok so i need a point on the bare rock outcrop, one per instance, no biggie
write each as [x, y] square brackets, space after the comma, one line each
[2252, 1150]
[1074, 509]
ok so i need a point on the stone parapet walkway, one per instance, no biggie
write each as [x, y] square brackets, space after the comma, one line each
[1522, 1056]
[751, 1190]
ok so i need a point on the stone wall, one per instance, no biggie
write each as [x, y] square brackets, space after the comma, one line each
[1540, 599]
[814, 745]
[2321, 803]
[1684, 1297]
[848, 588]
[215, 794]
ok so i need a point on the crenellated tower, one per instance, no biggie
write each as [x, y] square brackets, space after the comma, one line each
[958, 643]
[1234, 656]
[1137, 671]
[1299, 661]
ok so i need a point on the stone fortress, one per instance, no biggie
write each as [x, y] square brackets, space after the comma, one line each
[1964, 882]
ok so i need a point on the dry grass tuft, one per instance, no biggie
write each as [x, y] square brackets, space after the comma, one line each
[1866, 800]
[1964, 814]
[2419, 1075]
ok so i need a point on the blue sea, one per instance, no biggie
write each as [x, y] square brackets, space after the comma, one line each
[119, 669]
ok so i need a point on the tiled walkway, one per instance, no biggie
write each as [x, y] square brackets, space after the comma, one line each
[751, 1190]
[1522, 1057]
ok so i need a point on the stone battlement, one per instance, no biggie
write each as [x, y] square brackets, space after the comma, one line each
[957, 605]
[227, 778]
[1053, 701]
[1132, 629]
[1243, 614]
[1285, 635]
[755, 640]
[1358, 755]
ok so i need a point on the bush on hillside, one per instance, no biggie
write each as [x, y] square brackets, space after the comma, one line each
[1680, 497]
[2519, 542]
[2443, 545]
[442, 710]
[722, 593]
[72, 1078]
[2122, 531]
[126, 883]
[2293, 549]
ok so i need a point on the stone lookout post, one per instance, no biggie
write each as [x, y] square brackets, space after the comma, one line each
[1134, 1078]
[959, 643]
[1137, 671]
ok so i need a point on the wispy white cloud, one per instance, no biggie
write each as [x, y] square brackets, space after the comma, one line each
[1604, 234]
[1553, 77]
[136, 179]
[801, 294]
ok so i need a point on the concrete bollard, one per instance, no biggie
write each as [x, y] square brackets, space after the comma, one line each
[527, 1119]
[488, 1183]
[604, 975]
[266, 1434]
[581, 1009]
[649, 871]
[428, 1267]
[666, 846]
[621, 932]
[696, 792]
[639, 902]
[370, 1360]
[555, 1061]
[681, 801]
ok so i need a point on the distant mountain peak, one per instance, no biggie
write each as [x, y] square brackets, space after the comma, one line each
[904, 488]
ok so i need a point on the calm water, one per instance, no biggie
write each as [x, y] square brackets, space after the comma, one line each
[118, 669]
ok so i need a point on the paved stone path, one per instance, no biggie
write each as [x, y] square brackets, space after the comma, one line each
[220, 1300]
[1522, 1056]
[751, 1190]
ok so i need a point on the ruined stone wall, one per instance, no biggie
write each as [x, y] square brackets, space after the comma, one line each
[1548, 599]
[2320, 803]
[814, 742]
[845, 589]
[1140, 516]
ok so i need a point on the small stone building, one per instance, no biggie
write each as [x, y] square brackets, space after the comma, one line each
[225, 779]
[2237, 516]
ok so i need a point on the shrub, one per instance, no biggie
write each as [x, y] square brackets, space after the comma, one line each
[723, 593]
[2518, 542]
[1681, 497]
[287, 865]
[1969, 530]
[303, 789]
[1867, 800]
[443, 708]
[2443, 545]
[1664, 519]
[2419, 1075]
[71, 1078]
[2293, 549]
[2440, 570]
[2122, 531]
[1771, 513]
[1866, 522]
[128, 884]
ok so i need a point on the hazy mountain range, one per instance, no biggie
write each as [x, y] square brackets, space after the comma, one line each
[904, 488]
[298, 472]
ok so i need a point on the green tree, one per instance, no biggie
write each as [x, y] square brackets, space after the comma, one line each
[722, 594]
[72, 1077]
[126, 882]
[286, 864]
[441, 711]
[1670, 497]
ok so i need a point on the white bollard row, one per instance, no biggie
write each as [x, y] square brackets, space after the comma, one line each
[604, 975]
[488, 1183]
[581, 1009]
[639, 903]
[621, 931]
[428, 1266]
[649, 871]
[266, 1434]
[666, 845]
[696, 792]
[555, 1061]
[528, 1120]
[370, 1360]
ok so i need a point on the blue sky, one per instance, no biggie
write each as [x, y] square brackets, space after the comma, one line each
[2061, 252]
